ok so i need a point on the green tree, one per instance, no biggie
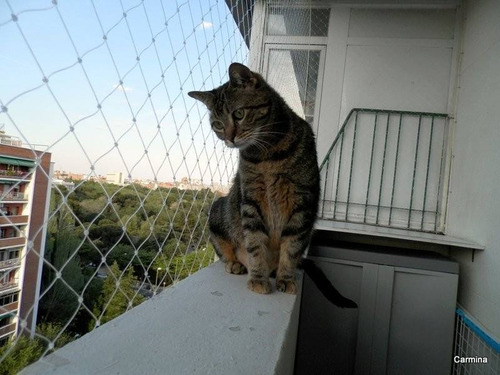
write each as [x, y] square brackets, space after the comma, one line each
[118, 295]
[184, 265]
[90, 208]
[54, 332]
[122, 254]
[88, 253]
[108, 234]
[174, 247]
[61, 216]
[61, 301]
[82, 320]
[19, 354]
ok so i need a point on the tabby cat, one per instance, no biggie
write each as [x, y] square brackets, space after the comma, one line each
[265, 222]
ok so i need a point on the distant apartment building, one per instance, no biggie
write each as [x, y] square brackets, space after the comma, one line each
[115, 178]
[24, 196]
[6, 139]
[67, 184]
[191, 184]
[63, 175]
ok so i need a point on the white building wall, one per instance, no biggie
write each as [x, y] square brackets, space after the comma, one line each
[474, 206]
[115, 178]
[399, 59]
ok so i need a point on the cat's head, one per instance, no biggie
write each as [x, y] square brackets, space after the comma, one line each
[240, 110]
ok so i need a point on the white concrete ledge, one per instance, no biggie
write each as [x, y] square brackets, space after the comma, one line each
[209, 323]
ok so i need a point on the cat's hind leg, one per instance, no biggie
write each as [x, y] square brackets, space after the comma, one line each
[225, 248]
[227, 253]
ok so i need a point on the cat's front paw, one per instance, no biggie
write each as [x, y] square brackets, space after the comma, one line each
[287, 286]
[235, 268]
[259, 286]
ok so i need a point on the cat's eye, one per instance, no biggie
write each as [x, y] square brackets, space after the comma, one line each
[239, 114]
[218, 125]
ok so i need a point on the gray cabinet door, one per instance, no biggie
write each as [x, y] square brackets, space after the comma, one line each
[404, 323]
[327, 334]
[420, 339]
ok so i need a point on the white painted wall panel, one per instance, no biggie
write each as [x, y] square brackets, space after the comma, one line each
[402, 23]
[396, 3]
[409, 78]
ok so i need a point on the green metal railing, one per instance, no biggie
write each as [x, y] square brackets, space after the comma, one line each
[388, 168]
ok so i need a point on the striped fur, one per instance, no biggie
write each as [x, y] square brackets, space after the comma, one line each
[265, 222]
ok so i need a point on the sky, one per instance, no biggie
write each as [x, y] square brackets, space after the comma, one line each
[102, 84]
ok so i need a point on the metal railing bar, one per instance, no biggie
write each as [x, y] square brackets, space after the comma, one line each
[415, 210]
[373, 211]
[383, 166]
[414, 169]
[338, 172]
[324, 187]
[368, 110]
[440, 180]
[371, 162]
[487, 339]
[337, 137]
[352, 163]
[408, 113]
[395, 165]
[427, 172]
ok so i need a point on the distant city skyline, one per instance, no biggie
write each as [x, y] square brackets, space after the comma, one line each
[61, 177]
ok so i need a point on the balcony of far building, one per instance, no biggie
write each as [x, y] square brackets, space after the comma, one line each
[15, 169]
[9, 303]
[7, 329]
[13, 174]
[14, 197]
[10, 259]
[18, 239]
[9, 218]
[9, 286]
[8, 310]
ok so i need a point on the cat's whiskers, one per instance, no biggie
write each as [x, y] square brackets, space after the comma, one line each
[254, 139]
[257, 137]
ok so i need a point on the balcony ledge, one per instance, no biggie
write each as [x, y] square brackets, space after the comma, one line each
[209, 323]
[400, 237]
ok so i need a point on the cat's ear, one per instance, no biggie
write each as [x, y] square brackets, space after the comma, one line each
[206, 97]
[240, 75]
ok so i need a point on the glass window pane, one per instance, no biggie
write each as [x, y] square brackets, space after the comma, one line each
[297, 21]
[294, 74]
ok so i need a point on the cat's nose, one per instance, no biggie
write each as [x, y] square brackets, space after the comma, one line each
[230, 134]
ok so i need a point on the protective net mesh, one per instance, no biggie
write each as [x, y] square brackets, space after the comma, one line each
[475, 352]
[99, 87]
